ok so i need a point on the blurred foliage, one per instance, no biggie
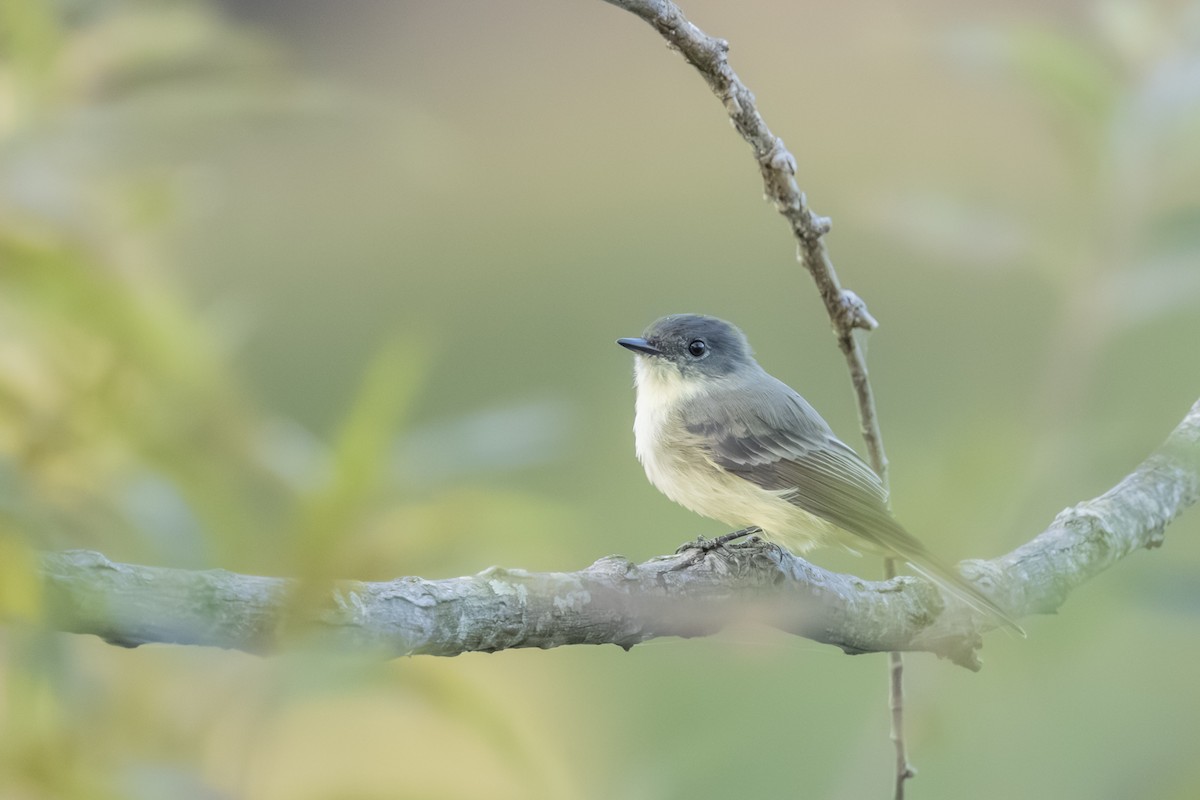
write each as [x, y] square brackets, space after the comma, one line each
[329, 291]
[125, 428]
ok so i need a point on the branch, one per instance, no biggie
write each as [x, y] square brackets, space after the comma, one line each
[615, 601]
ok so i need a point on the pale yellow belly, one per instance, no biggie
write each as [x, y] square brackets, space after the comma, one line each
[687, 476]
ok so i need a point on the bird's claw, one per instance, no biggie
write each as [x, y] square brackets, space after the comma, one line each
[702, 547]
[701, 544]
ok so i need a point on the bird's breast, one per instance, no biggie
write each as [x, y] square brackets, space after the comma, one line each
[678, 464]
[663, 444]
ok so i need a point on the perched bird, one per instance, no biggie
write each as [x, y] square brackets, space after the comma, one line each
[720, 436]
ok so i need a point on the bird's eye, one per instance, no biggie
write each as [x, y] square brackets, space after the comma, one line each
[697, 348]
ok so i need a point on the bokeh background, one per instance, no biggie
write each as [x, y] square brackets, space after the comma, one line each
[331, 289]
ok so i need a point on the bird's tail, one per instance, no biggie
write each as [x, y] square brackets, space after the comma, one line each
[927, 565]
[888, 534]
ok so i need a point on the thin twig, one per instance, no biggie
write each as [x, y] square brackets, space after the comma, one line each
[846, 310]
[777, 165]
[904, 770]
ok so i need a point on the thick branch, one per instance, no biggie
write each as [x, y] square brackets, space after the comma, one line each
[616, 601]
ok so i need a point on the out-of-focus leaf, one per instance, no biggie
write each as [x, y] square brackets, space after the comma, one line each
[484, 713]
[20, 587]
[29, 38]
[361, 451]
[125, 373]
[153, 781]
[464, 527]
[494, 439]
[1151, 290]
[1069, 75]
[294, 454]
[1154, 130]
[951, 231]
[1176, 232]
[1136, 31]
[156, 505]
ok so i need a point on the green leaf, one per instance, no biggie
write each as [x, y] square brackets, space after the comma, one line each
[361, 452]
[1066, 73]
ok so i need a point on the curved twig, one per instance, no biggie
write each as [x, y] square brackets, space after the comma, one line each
[846, 310]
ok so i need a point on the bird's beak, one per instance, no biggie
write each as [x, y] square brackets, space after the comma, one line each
[640, 346]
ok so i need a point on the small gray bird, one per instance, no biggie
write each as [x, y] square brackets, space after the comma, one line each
[723, 438]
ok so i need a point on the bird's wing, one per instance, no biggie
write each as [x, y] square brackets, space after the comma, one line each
[776, 440]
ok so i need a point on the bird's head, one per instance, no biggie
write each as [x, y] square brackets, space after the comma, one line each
[689, 349]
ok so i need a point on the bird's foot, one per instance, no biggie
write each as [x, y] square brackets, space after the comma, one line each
[717, 542]
[702, 547]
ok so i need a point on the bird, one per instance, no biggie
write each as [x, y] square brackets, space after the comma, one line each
[720, 436]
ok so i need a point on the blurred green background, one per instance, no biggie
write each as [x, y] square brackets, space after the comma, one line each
[331, 289]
